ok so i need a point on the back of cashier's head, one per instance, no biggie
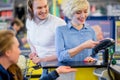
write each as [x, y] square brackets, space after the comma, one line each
[6, 40]
[69, 7]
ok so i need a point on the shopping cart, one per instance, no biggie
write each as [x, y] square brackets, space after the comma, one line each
[27, 70]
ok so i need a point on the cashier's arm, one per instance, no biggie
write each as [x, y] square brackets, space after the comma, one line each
[79, 48]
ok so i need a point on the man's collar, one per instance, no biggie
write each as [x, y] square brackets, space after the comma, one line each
[42, 21]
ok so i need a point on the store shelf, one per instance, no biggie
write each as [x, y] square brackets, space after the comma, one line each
[6, 11]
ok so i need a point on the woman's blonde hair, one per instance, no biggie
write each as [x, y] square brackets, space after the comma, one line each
[6, 40]
[69, 7]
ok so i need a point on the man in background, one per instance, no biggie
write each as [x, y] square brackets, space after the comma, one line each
[16, 25]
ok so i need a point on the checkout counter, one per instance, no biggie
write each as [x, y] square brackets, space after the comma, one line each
[84, 69]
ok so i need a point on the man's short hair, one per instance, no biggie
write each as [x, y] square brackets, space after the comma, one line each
[18, 22]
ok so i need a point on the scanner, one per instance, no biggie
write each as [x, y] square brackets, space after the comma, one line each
[103, 45]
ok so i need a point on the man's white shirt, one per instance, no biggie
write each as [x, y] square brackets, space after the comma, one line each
[41, 36]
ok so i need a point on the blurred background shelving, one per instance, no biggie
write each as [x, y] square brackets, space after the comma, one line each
[18, 8]
[6, 13]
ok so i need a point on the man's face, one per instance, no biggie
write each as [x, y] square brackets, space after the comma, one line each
[40, 9]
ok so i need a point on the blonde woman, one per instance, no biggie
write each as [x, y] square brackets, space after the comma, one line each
[75, 40]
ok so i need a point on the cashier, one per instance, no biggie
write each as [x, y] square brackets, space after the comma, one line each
[74, 41]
